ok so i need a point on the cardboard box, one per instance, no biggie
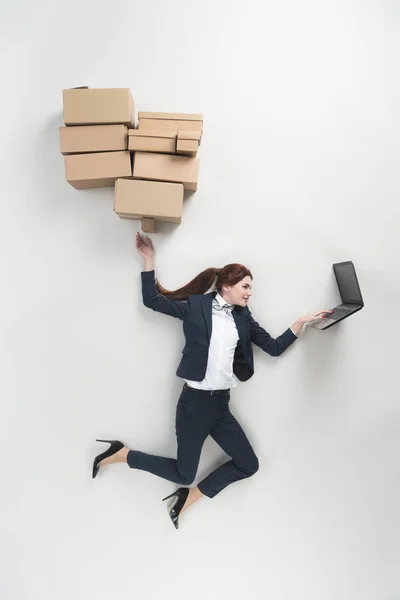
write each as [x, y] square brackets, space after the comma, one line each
[93, 138]
[172, 122]
[148, 225]
[96, 170]
[152, 199]
[187, 143]
[152, 141]
[84, 106]
[166, 167]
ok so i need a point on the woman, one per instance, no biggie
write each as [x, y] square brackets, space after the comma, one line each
[219, 330]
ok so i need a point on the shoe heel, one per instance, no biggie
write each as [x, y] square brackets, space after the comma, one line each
[170, 496]
[181, 495]
[115, 446]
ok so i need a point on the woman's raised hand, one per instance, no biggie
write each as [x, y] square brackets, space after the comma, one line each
[144, 246]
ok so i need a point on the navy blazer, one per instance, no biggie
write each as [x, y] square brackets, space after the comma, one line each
[196, 314]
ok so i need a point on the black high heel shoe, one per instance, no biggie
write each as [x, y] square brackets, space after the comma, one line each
[180, 495]
[115, 446]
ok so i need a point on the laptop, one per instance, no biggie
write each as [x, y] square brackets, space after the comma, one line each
[350, 294]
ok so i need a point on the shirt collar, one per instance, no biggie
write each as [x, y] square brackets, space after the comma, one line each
[222, 302]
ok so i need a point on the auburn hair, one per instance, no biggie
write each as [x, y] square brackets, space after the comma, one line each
[229, 275]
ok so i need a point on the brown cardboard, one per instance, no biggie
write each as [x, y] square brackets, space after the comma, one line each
[166, 167]
[148, 225]
[187, 147]
[152, 141]
[170, 116]
[172, 122]
[83, 106]
[153, 199]
[93, 138]
[187, 143]
[100, 169]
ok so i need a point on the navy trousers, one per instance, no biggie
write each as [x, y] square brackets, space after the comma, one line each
[200, 414]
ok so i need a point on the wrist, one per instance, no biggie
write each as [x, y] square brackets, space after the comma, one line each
[297, 326]
[148, 264]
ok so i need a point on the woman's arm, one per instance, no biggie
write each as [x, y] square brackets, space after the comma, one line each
[270, 345]
[151, 298]
[276, 346]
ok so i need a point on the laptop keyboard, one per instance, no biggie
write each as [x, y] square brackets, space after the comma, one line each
[339, 313]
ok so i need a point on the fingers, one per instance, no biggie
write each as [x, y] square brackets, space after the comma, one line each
[142, 240]
[140, 246]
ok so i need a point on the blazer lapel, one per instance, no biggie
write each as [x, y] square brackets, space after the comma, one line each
[239, 318]
[206, 307]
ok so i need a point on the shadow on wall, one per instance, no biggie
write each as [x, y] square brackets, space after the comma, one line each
[320, 357]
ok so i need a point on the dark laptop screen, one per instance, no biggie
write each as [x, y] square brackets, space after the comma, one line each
[347, 283]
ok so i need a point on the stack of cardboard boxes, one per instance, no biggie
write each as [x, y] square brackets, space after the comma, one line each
[150, 166]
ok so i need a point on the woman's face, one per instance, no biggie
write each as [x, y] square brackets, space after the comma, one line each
[238, 294]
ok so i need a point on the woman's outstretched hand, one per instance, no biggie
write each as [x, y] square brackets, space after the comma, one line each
[316, 316]
[298, 325]
[144, 246]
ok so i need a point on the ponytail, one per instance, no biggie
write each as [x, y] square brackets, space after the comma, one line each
[228, 275]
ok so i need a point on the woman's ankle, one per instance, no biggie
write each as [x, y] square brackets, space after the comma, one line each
[120, 456]
[123, 454]
[193, 496]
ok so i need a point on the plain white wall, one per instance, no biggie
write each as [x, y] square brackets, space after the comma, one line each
[299, 169]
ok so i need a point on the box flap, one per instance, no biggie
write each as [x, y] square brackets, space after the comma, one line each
[170, 116]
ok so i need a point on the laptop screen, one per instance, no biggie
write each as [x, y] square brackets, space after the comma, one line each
[347, 283]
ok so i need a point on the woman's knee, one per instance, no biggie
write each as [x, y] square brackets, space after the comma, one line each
[254, 465]
[251, 466]
[187, 476]
[186, 479]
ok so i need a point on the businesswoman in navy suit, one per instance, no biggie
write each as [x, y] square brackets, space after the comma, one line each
[219, 331]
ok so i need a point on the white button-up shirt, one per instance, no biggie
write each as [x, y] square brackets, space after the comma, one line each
[224, 339]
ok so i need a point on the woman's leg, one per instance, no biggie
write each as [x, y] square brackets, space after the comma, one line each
[193, 424]
[119, 456]
[232, 439]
